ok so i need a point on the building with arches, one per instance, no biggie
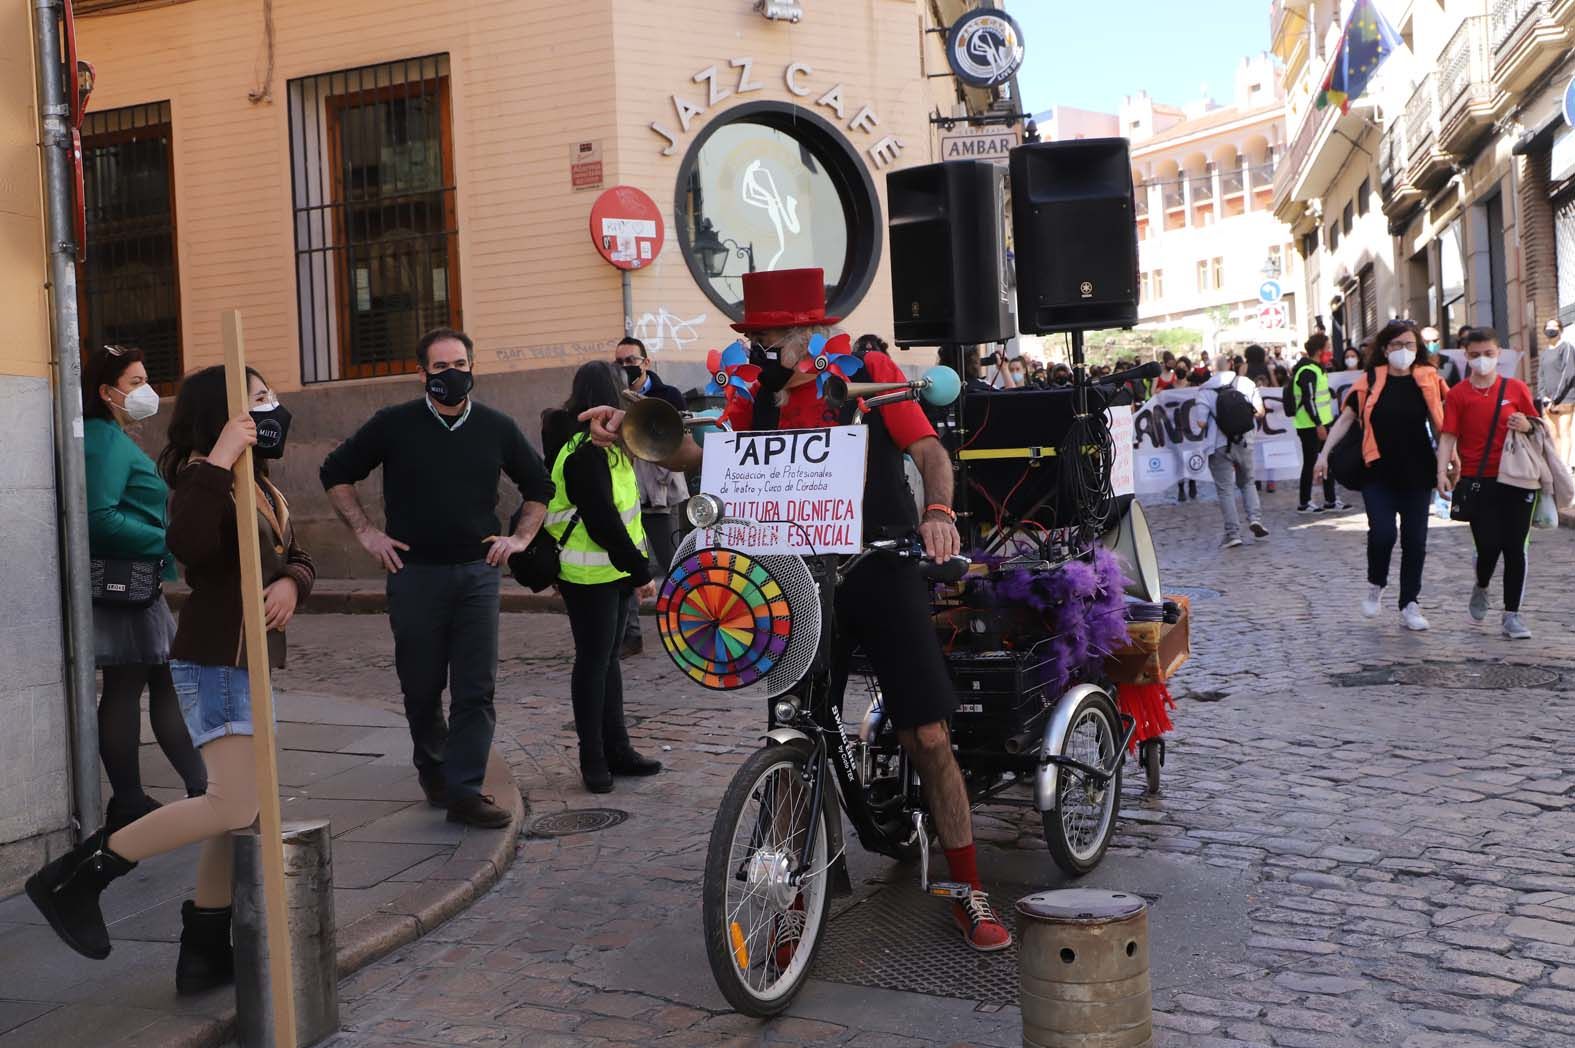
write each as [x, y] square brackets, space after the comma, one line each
[1212, 255]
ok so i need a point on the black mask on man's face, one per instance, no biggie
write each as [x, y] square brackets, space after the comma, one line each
[773, 376]
[450, 387]
[633, 373]
[273, 426]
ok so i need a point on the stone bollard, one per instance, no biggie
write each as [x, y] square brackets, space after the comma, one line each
[1083, 965]
[314, 965]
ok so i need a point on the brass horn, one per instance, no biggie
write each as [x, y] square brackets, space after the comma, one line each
[653, 429]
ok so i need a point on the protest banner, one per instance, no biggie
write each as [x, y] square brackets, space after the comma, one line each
[804, 487]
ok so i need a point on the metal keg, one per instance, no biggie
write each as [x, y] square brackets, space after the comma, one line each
[1083, 965]
[314, 963]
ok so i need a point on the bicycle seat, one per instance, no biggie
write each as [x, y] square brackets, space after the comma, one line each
[950, 570]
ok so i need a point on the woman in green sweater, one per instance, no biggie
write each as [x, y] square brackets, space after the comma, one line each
[127, 517]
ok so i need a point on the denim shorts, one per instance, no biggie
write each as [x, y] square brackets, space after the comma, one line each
[214, 700]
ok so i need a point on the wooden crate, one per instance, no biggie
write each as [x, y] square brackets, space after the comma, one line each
[1155, 650]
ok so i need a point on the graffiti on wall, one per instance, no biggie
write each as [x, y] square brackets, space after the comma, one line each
[667, 331]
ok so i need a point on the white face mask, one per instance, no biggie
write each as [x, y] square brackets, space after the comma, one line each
[1484, 365]
[1351, 363]
[1400, 359]
[140, 403]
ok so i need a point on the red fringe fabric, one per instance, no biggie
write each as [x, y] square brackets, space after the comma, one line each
[1146, 704]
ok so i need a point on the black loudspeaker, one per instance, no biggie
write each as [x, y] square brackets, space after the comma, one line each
[1074, 231]
[948, 256]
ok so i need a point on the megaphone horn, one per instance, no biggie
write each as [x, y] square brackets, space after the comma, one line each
[653, 430]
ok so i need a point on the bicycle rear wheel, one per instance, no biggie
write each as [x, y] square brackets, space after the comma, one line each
[1078, 828]
[761, 929]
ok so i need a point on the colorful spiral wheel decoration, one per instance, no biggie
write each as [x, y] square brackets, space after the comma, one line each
[723, 618]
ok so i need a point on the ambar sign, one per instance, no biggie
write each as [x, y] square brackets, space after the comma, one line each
[978, 143]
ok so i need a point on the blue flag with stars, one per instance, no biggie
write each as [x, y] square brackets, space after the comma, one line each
[1368, 40]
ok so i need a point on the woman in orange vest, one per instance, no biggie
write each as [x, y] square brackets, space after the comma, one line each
[1399, 404]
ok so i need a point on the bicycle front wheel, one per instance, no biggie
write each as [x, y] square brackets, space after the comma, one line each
[762, 927]
[1078, 829]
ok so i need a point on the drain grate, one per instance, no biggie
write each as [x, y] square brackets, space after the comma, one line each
[1193, 592]
[1474, 675]
[580, 820]
[902, 939]
[1471, 676]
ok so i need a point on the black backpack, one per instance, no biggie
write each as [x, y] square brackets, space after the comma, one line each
[1234, 412]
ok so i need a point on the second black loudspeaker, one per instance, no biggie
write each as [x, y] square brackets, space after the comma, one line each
[948, 257]
[1074, 233]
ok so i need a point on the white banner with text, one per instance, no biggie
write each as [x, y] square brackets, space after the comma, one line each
[805, 487]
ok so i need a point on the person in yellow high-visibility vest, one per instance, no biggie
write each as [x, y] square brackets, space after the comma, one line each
[595, 516]
[1311, 408]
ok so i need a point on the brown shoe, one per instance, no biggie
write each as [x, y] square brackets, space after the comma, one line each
[435, 789]
[478, 809]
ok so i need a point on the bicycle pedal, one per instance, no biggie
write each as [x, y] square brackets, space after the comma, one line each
[950, 889]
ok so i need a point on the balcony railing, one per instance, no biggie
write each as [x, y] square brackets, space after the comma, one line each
[1140, 200]
[1263, 174]
[1202, 188]
[1464, 65]
[1509, 15]
[1420, 118]
[1232, 181]
[1171, 193]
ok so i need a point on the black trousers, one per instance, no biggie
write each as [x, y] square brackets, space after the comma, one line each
[1411, 506]
[1311, 447]
[596, 618]
[445, 623]
[1500, 524]
[661, 538]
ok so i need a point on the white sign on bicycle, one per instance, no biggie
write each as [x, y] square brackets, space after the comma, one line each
[805, 487]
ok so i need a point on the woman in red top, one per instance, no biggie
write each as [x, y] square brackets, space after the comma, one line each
[1501, 516]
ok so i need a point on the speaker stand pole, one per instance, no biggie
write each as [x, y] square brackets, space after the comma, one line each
[960, 496]
[1079, 374]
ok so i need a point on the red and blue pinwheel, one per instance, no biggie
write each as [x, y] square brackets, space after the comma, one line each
[731, 370]
[833, 357]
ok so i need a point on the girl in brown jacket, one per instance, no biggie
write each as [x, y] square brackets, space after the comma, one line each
[208, 661]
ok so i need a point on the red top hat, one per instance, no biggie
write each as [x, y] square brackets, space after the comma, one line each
[784, 298]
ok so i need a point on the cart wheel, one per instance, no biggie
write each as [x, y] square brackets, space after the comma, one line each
[1079, 827]
[1153, 757]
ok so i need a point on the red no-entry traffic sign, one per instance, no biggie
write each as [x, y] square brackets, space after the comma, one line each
[627, 227]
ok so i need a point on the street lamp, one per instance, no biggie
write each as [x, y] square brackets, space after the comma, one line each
[713, 250]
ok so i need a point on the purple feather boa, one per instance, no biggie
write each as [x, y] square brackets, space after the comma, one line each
[1081, 605]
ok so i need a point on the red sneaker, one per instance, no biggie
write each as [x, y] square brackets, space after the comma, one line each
[979, 926]
[787, 930]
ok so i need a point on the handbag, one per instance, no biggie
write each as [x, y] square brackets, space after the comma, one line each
[1520, 464]
[1468, 493]
[1347, 463]
[125, 582]
[536, 566]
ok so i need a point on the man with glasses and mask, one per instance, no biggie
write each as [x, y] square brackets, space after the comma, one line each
[440, 545]
[662, 491]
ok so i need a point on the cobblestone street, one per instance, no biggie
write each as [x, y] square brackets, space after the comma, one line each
[1336, 858]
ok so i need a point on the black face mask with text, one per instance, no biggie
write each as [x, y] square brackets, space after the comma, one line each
[773, 376]
[273, 426]
[450, 387]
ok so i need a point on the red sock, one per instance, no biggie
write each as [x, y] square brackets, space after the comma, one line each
[964, 866]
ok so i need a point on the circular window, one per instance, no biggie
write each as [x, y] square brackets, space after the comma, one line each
[771, 186]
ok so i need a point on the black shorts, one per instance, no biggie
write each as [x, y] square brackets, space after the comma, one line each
[883, 609]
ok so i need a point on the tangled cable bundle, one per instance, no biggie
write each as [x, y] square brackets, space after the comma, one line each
[1086, 456]
[1081, 608]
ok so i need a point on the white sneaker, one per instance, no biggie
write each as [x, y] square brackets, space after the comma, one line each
[1371, 603]
[1411, 616]
[1514, 628]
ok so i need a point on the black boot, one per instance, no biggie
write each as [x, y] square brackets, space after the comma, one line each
[122, 812]
[207, 960]
[626, 761]
[66, 892]
[594, 770]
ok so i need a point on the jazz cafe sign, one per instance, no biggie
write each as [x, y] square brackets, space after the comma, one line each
[737, 79]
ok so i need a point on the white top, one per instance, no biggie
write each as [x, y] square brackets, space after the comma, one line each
[1210, 394]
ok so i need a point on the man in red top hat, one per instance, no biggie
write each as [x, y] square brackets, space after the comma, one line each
[883, 606]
